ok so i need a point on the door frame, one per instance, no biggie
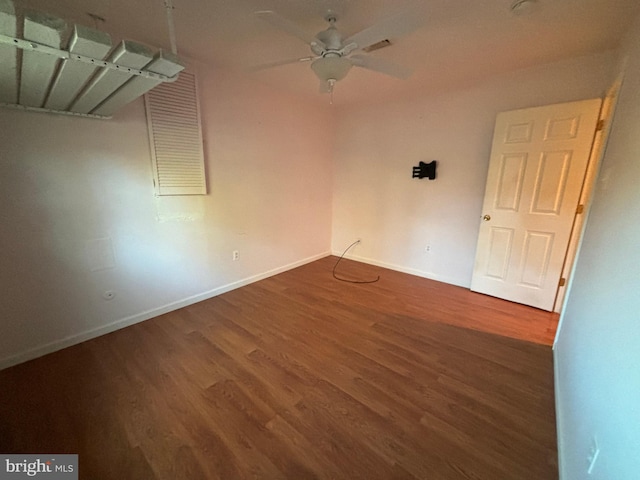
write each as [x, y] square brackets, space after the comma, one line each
[593, 166]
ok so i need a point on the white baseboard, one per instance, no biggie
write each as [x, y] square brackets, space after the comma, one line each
[56, 345]
[403, 269]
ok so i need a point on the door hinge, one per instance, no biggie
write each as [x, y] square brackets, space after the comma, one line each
[580, 209]
[600, 125]
[562, 282]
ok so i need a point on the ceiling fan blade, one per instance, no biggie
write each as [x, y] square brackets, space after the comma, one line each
[264, 66]
[392, 27]
[381, 66]
[287, 26]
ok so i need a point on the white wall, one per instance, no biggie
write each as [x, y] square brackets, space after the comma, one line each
[396, 216]
[66, 182]
[597, 351]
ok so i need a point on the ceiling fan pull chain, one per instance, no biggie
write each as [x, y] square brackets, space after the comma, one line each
[331, 83]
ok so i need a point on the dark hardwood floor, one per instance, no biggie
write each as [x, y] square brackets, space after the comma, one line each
[301, 376]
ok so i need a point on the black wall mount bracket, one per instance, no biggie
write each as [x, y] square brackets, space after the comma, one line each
[425, 170]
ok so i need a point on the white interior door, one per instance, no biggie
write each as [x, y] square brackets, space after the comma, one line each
[538, 162]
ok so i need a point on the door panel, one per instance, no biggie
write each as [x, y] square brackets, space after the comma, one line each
[499, 253]
[537, 249]
[511, 181]
[549, 190]
[538, 162]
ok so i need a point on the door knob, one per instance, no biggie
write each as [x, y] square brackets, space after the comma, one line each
[486, 218]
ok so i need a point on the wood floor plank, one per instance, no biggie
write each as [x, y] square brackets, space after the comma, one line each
[301, 376]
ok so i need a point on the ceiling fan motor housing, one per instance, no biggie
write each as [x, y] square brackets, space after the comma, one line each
[331, 38]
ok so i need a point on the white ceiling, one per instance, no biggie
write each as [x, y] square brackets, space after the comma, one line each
[460, 42]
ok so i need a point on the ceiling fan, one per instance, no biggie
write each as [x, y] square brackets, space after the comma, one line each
[334, 55]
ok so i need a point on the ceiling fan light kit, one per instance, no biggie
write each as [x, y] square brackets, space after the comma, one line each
[331, 68]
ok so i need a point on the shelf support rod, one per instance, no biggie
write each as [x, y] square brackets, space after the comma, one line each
[168, 5]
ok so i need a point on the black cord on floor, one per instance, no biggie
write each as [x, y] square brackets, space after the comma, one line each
[345, 279]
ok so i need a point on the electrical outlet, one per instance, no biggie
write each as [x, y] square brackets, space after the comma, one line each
[235, 255]
[427, 248]
[594, 452]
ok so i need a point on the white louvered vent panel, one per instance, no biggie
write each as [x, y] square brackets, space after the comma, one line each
[175, 134]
